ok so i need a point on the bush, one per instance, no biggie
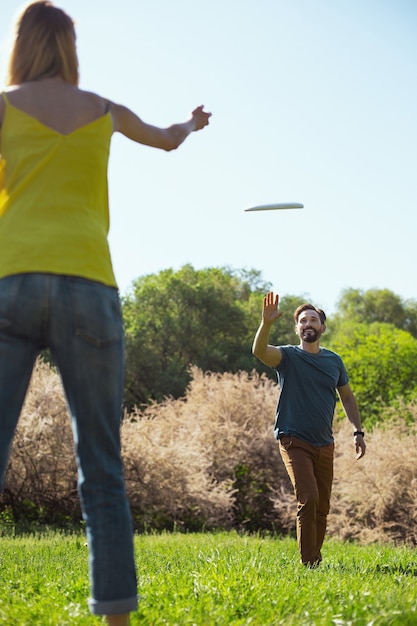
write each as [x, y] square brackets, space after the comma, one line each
[41, 480]
[209, 461]
[381, 363]
[210, 456]
[375, 499]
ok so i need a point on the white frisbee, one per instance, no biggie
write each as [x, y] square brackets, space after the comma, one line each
[277, 206]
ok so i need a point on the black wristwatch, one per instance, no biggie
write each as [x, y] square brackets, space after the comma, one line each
[359, 432]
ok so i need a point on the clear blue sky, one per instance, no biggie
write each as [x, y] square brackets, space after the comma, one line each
[313, 101]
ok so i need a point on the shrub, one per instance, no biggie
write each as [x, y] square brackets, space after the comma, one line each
[210, 455]
[381, 362]
[209, 461]
[41, 478]
[375, 498]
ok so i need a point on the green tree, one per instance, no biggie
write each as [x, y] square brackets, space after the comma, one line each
[206, 318]
[381, 361]
[377, 305]
[177, 319]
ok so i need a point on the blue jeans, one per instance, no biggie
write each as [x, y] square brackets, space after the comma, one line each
[80, 322]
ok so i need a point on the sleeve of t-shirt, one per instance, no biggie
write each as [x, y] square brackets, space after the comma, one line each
[282, 363]
[343, 377]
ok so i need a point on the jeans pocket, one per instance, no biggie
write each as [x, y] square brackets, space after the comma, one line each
[9, 291]
[97, 312]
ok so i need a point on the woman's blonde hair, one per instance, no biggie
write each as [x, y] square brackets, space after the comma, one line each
[44, 45]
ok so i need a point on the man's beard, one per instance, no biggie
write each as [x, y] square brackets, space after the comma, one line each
[310, 335]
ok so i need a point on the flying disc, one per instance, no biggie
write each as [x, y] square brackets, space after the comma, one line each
[277, 206]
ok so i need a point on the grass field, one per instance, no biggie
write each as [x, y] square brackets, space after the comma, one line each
[214, 580]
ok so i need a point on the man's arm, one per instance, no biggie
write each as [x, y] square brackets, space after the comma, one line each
[261, 348]
[352, 413]
[130, 125]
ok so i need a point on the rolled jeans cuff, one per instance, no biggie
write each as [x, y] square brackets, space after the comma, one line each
[113, 607]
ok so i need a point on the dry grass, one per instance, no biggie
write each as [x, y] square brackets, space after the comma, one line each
[42, 467]
[209, 460]
[375, 498]
[208, 456]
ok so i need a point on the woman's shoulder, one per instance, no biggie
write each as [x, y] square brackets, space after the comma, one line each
[55, 103]
[52, 90]
[94, 98]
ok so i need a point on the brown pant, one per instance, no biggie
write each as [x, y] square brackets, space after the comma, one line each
[310, 469]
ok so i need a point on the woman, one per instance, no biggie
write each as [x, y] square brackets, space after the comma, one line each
[57, 287]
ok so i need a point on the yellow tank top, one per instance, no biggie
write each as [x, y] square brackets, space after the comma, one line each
[54, 214]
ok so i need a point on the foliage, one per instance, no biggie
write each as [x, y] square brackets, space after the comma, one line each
[203, 318]
[209, 461]
[377, 305]
[176, 319]
[205, 457]
[381, 363]
[208, 318]
[221, 579]
[41, 479]
[379, 498]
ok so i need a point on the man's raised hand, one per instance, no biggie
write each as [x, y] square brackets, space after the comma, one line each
[270, 311]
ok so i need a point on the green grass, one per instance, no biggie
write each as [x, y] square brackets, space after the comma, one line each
[213, 580]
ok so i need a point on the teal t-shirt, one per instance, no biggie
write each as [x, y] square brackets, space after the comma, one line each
[307, 398]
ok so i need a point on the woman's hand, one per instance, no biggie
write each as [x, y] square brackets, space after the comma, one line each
[200, 117]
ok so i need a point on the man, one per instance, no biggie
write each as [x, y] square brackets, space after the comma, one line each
[309, 377]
